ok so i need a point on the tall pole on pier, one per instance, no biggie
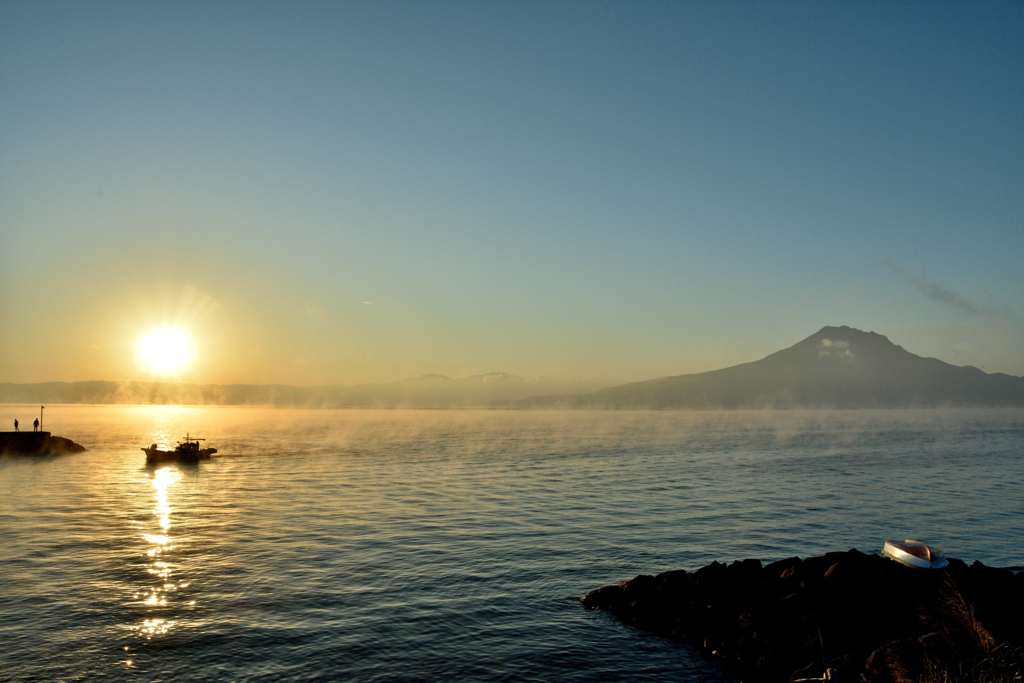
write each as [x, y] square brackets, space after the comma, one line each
[41, 417]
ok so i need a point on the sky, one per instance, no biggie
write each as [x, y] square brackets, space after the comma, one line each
[348, 192]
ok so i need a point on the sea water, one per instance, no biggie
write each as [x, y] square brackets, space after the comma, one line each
[451, 545]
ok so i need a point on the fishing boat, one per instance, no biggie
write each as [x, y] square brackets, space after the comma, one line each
[914, 554]
[187, 451]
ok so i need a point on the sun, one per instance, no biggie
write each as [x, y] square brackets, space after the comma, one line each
[166, 350]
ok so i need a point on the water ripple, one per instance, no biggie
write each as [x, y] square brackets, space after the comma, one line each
[388, 546]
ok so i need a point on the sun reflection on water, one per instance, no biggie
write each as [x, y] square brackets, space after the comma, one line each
[160, 544]
[163, 479]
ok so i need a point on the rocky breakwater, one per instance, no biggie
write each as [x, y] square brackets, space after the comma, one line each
[36, 443]
[843, 616]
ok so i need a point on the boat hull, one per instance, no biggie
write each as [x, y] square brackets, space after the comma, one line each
[155, 456]
[911, 553]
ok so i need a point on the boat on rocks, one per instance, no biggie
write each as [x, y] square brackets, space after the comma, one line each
[187, 451]
[914, 554]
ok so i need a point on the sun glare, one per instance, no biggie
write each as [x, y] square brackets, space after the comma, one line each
[166, 350]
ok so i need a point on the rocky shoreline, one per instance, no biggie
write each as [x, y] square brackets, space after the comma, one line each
[37, 443]
[842, 616]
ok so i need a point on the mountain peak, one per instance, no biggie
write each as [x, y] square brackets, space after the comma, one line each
[846, 331]
[429, 377]
[493, 378]
[844, 336]
[838, 366]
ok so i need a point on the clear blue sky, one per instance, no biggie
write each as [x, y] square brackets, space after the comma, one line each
[334, 192]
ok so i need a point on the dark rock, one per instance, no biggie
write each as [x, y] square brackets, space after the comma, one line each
[37, 443]
[845, 615]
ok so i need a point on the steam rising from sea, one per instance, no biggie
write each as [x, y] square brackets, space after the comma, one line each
[410, 545]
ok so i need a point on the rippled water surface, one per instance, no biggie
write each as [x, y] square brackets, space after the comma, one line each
[407, 545]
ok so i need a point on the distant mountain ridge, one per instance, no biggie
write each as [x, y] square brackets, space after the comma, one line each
[836, 367]
[425, 391]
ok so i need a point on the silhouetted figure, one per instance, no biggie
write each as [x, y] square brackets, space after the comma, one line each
[15, 424]
[35, 425]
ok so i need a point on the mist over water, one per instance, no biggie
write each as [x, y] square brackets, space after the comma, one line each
[403, 545]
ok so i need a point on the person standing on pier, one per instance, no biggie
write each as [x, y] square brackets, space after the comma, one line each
[35, 425]
[15, 424]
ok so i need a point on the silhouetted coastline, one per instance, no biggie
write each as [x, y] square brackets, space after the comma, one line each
[842, 616]
[37, 443]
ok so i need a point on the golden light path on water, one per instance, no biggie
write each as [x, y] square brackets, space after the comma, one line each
[160, 545]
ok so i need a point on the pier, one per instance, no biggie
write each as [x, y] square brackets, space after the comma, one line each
[37, 443]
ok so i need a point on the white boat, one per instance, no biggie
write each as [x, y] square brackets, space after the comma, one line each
[914, 554]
